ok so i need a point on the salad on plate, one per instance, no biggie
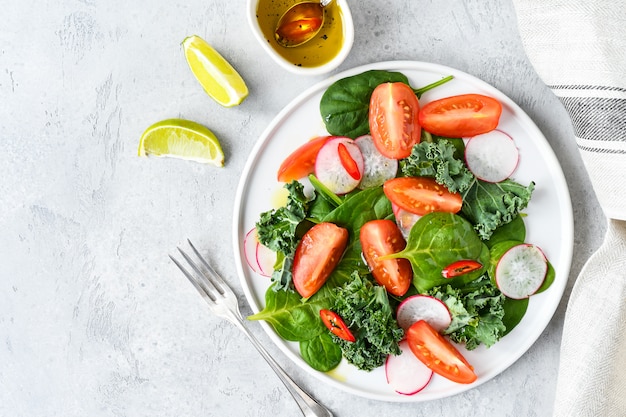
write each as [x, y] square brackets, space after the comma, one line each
[402, 242]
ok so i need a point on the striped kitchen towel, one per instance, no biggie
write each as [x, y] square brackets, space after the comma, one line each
[578, 48]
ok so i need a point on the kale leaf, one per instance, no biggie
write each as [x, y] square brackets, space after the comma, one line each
[365, 309]
[490, 205]
[477, 312]
[276, 228]
[437, 160]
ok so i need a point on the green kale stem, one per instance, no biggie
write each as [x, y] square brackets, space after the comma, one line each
[418, 92]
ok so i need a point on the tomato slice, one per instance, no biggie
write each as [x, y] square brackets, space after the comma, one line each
[461, 267]
[317, 254]
[461, 116]
[380, 238]
[336, 325]
[421, 195]
[438, 353]
[393, 119]
[301, 162]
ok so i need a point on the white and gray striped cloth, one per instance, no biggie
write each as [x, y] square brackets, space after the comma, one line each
[578, 48]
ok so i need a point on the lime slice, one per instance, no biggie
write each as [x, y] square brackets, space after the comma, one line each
[183, 139]
[218, 78]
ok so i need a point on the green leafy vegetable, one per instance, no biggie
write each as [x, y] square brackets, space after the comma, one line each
[345, 104]
[550, 276]
[437, 160]
[477, 312]
[282, 276]
[276, 228]
[357, 209]
[489, 222]
[513, 230]
[333, 199]
[437, 240]
[290, 317]
[321, 352]
[365, 309]
[490, 205]
[514, 311]
[360, 208]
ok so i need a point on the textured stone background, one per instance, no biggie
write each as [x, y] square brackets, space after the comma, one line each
[94, 318]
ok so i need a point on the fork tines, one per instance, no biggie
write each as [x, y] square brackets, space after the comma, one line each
[205, 280]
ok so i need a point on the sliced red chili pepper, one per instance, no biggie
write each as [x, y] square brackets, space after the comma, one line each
[460, 267]
[348, 163]
[336, 325]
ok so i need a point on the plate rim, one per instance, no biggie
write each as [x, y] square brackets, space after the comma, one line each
[566, 250]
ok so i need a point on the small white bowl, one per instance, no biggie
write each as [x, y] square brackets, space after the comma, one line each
[348, 40]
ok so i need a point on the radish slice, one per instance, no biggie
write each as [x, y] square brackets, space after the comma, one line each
[404, 219]
[406, 374]
[330, 170]
[423, 307]
[492, 156]
[521, 271]
[378, 168]
[258, 257]
[250, 245]
[266, 258]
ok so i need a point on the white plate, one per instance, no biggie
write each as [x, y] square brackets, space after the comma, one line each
[549, 222]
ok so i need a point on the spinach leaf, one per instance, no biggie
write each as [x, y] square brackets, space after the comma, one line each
[290, 317]
[321, 352]
[437, 160]
[514, 311]
[333, 199]
[365, 309]
[490, 205]
[358, 209]
[513, 230]
[437, 240]
[345, 104]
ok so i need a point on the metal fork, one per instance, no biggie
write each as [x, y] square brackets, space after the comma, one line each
[222, 302]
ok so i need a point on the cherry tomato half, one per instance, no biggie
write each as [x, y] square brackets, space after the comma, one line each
[438, 353]
[393, 119]
[461, 116]
[301, 162]
[379, 238]
[421, 195]
[461, 267]
[336, 325]
[317, 254]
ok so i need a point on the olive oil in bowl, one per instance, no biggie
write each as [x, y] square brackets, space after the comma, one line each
[319, 55]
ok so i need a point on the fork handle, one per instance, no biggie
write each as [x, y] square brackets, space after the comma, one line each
[308, 405]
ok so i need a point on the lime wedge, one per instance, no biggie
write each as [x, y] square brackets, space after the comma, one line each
[183, 139]
[218, 78]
